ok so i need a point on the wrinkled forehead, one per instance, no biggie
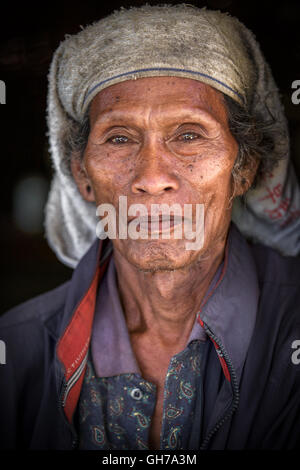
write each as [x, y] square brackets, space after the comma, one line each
[167, 96]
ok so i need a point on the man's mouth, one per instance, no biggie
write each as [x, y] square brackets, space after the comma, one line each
[157, 224]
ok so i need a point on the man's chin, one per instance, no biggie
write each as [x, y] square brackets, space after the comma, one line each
[156, 257]
[159, 266]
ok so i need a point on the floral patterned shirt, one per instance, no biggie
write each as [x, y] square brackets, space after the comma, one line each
[115, 412]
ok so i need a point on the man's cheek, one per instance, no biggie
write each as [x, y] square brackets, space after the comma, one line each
[102, 193]
[217, 201]
[108, 191]
[103, 166]
[211, 170]
[216, 187]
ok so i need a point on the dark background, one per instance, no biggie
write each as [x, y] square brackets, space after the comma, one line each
[29, 35]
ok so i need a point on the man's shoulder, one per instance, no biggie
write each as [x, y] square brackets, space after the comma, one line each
[37, 309]
[274, 268]
[279, 304]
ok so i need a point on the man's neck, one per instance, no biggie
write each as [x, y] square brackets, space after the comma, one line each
[162, 305]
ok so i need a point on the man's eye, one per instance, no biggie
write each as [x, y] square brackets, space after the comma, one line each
[188, 136]
[118, 139]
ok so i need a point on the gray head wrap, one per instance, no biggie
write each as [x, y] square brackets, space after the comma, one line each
[182, 41]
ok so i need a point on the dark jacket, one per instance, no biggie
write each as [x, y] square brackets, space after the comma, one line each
[47, 339]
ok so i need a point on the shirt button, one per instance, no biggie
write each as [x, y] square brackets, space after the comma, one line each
[136, 393]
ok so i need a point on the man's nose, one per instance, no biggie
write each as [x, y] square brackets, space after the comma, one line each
[154, 173]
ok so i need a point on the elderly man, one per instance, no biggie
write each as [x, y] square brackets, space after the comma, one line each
[156, 344]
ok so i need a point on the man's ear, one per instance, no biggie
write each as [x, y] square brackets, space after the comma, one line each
[82, 180]
[243, 181]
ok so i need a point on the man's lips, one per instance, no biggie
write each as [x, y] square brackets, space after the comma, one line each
[157, 223]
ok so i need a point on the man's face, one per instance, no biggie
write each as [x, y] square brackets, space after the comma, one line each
[162, 140]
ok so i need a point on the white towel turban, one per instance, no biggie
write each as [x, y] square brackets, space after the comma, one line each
[165, 40]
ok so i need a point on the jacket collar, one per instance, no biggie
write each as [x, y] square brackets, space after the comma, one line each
[229, 310]
[76, 326]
